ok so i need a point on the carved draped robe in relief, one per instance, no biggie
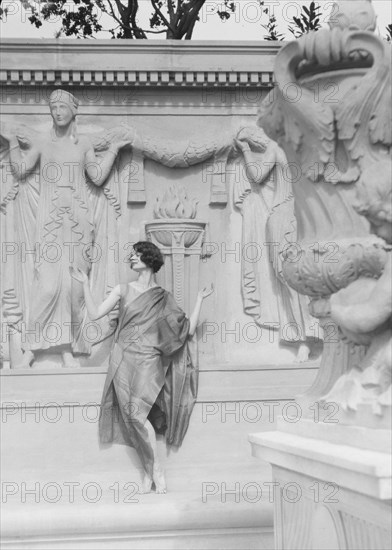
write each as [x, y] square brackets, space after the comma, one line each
[67, 221]
[65, 224]
[269, 223]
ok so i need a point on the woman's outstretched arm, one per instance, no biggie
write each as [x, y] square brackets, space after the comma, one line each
[196, 310]
[95, 312]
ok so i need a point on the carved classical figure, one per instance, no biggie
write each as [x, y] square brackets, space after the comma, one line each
[151, 385]
[56, 207]
[61, 215]
[65, 204]
[266, 202]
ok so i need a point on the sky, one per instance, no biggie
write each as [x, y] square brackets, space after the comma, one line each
[245, 24]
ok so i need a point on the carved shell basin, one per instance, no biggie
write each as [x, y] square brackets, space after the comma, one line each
[175, 232]
[318, 273]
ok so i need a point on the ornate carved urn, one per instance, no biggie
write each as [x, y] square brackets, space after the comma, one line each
[330, 113]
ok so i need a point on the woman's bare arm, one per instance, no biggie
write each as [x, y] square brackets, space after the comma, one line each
[96, 312]
[196, 310]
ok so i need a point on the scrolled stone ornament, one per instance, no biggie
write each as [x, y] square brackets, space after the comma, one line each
[317, 273]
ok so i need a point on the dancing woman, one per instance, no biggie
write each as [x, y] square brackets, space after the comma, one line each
[151, 384]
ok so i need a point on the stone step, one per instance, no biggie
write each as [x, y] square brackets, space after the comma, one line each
[217, 497]
[129, 520]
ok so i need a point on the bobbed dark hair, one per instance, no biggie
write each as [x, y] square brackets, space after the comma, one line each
[150, 255]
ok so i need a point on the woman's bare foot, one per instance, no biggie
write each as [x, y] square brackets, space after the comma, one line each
[146, 485]
[159, 479]
[303, 353]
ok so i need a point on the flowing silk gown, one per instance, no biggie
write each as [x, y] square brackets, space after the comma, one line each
[150, 373]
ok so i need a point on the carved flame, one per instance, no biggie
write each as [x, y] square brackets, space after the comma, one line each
[175, 204]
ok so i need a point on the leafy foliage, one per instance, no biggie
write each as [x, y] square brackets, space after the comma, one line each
[83, 21]
[273, 32]
[84, 18]
[174, 19]
[309, 20]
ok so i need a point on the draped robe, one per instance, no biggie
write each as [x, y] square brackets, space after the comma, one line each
[64, 231]
[150, 373]
[56, 217]
[267, 209]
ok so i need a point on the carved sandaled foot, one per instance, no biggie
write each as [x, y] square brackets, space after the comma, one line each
[28, 358]
[159, 480]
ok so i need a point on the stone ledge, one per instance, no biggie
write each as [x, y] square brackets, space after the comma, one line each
[329, 424]
[154, 63]
[228, 538]
[272, 382]
[366, 472]
[137, 78]
[158, 520]
[207, 367]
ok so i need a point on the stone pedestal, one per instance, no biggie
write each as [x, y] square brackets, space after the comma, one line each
[332, 484]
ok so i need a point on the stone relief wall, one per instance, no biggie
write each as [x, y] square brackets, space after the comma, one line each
[122, 157]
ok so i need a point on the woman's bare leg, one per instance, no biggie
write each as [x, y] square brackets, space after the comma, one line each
[158, 476]
[147, 479]
[146, 484]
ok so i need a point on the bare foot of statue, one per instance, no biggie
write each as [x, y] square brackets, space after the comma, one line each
[28, 358]
[159, 479]
[146, 485]
[303, 353]
[69, 361]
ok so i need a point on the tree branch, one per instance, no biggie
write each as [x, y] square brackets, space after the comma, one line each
[120, 7]
[171, 11]
[134, 29]
[189, 18]
[159, 12]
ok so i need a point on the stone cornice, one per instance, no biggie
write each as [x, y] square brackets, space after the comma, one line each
[138, 63]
